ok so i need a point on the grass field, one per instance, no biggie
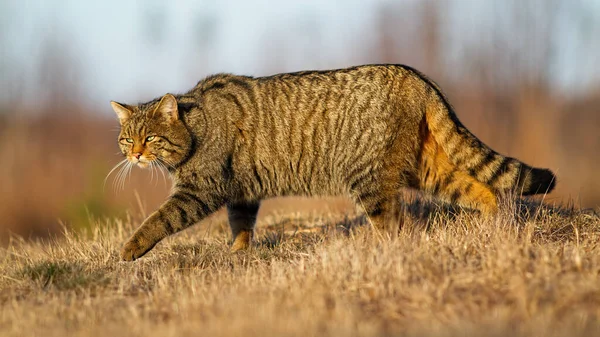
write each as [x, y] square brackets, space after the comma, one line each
[530, 271]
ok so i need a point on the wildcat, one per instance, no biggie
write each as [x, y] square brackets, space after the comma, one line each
[366, 132]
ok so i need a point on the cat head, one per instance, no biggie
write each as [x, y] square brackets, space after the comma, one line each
[153, 133]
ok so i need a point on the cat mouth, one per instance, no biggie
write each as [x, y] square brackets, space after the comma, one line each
[140, 162]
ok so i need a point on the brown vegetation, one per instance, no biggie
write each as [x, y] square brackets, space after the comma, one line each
[536, 273]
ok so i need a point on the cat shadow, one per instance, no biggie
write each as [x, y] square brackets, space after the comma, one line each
[420, 213]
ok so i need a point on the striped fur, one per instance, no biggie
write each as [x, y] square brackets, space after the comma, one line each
[366, 132]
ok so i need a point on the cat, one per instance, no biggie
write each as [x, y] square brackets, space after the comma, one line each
[366, 132]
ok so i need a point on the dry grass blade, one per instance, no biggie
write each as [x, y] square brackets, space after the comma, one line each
[529, 271]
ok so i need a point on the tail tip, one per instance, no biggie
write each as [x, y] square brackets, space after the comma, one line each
[542, 181]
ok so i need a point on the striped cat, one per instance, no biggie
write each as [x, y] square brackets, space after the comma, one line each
[365, 132]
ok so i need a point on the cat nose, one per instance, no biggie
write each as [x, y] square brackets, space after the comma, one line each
[137, 155]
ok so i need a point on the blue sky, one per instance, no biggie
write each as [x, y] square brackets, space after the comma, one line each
[136, 50]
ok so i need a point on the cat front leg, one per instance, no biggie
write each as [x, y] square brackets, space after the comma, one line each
[184, 208]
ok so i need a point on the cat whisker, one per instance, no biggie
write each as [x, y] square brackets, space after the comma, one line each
[166, 163]
[119, 177]
[123, 174]
[161, 162]
[150, 168]
[111, 171]
[127, 175]
[154, 168]
[162, 169]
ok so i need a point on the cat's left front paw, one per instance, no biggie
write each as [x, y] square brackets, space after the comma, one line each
[133, 250]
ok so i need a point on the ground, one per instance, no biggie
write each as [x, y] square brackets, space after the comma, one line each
[529, 271]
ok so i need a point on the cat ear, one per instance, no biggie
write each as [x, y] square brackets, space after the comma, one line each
[122, 111]
[167, 108]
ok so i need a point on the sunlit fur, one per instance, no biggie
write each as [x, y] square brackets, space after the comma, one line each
[366, 132]
[170, 144]
[169, 140]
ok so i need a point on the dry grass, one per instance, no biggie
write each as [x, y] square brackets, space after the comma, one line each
[534, 273]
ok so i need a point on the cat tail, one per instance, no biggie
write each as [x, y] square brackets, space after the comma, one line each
[469, 154]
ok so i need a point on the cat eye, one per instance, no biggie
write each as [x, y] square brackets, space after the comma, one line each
[129, 140]
[151, 138]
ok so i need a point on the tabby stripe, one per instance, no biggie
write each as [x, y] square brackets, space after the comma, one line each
[186, 196]
[286, 90]
[490, 156]
[499, 171]
[205, 207]
[442, 183]
[253, 141]
[448, 179]
[354, 185]
[216, 85]
[376, 209]
[193, 146]
[185, 108]
[362, 147]
[250, 97]
[426, 176]
[332, 130]
[522, 178]
[360, 171]
[459, 157]
[468, 188]
[166, 222]
[299, 162]
[454, 144]
[183, 215]
[390, 83]
[274, 121]
[181, 198]
[341, 130]
[292, 136]
[366, 177]
[361, 155]
[327, 149]
[241, 83]
[455, 196]
[187, 186]
[316, 107]
[305, 127]
[258, 178]
[435, 188]
[233, 98]
[227, 169]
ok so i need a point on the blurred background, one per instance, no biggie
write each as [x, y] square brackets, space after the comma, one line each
[523, 75]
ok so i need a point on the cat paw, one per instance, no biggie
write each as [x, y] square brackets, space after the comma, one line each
[133, 250]
[242, 241]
